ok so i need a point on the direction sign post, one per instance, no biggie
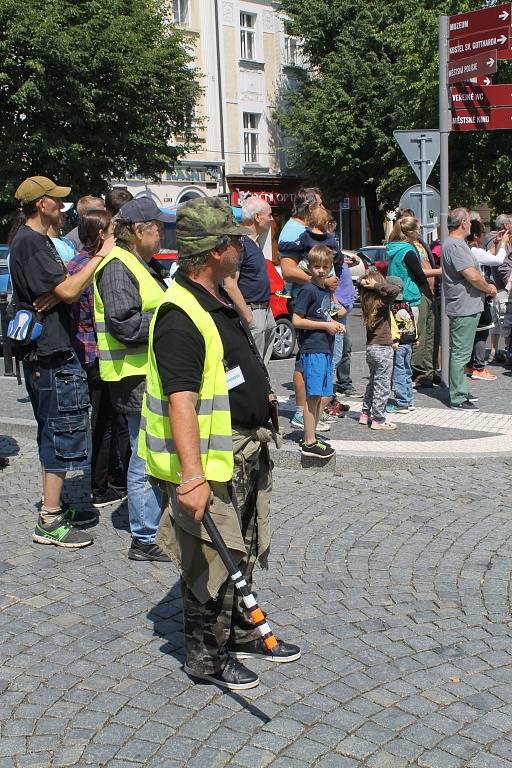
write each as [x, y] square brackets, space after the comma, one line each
[482, 119]
[477, 21]
[470, 45]
[483, 42]
[470, 96]
[444, 133]
[462, 70]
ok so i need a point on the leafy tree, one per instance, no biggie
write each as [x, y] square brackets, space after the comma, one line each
[90, 90]
[374, 69]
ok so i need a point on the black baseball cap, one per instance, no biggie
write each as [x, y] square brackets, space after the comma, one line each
[143, 209]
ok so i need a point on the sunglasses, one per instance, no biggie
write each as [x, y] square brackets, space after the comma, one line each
[226, 240]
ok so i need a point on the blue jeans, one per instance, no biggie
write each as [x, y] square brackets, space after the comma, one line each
[343, 367]
[144, 495]
[402, 375]
[337, 354]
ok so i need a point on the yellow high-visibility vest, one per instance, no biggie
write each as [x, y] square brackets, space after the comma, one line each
[118, 360]
[155, 444]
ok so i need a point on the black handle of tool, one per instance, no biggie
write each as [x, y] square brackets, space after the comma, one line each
[219, 544]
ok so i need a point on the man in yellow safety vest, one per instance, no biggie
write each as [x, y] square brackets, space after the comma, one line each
[127, 289]
[207, 421]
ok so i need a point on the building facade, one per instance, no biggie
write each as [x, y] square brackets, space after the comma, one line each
[247, 60]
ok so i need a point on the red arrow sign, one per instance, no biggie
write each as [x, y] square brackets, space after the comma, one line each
[469, 96]
[476, 21]
[474, 66]
[462, 47]
[482, 119]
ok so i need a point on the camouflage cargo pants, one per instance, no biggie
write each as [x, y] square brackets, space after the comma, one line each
[210, 627]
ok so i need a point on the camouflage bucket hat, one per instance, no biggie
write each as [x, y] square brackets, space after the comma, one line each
[200, 223]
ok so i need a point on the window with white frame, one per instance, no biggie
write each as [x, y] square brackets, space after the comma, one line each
[251, 137]
[247, 36]
[292, 48]
[180, 12]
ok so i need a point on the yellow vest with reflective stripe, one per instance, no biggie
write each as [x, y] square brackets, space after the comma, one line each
[155, 444]
[118, 360]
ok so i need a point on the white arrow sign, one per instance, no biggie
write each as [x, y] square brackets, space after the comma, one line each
[490, 62]
[504, 15]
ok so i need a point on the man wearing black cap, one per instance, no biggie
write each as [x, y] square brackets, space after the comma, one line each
[60, 400]
[127, 289]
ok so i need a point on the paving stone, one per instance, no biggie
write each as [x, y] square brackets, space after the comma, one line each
[392, 607]
[137, 751]
[251, 757]
[353, 746]
[13, 745]
[436, 758]
[32, 760]
[67, 755]
[386, 760]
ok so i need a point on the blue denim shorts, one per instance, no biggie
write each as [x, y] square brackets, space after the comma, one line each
[62, 412]
[317, 369]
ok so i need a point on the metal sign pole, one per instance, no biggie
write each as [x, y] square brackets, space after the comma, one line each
[423, 182]
[444, 130]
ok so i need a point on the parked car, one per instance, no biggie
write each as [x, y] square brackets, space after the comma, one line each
[375, 256]
[286, 337]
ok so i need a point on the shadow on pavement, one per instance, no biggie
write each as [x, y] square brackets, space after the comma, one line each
[120, 519]
[439, 393]
[168, 624]
[8, 447]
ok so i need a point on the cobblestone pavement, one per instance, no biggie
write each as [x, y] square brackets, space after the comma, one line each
[396, 584]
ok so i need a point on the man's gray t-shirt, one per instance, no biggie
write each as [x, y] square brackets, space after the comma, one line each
[462, 299]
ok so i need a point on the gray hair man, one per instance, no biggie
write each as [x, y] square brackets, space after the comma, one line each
[464, 288]
[249, 287]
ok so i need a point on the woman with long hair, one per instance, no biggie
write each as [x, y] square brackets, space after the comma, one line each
[109, 431]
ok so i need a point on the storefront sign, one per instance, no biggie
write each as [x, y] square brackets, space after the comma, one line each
[205, 174]
[273, 197]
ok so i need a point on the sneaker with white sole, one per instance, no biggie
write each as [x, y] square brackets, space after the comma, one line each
[483, 375]
[234, 676]
[324, 425]
[297, 420]
[319, 450]
[61, 533]
[465, 406]
[256, 649]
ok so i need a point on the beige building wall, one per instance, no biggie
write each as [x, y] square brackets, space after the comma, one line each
[249, 82]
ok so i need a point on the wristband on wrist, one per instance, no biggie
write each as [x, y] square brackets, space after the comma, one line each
[191, 480]
[181, 492]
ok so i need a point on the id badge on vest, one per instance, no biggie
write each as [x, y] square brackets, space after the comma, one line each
[234, 377]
